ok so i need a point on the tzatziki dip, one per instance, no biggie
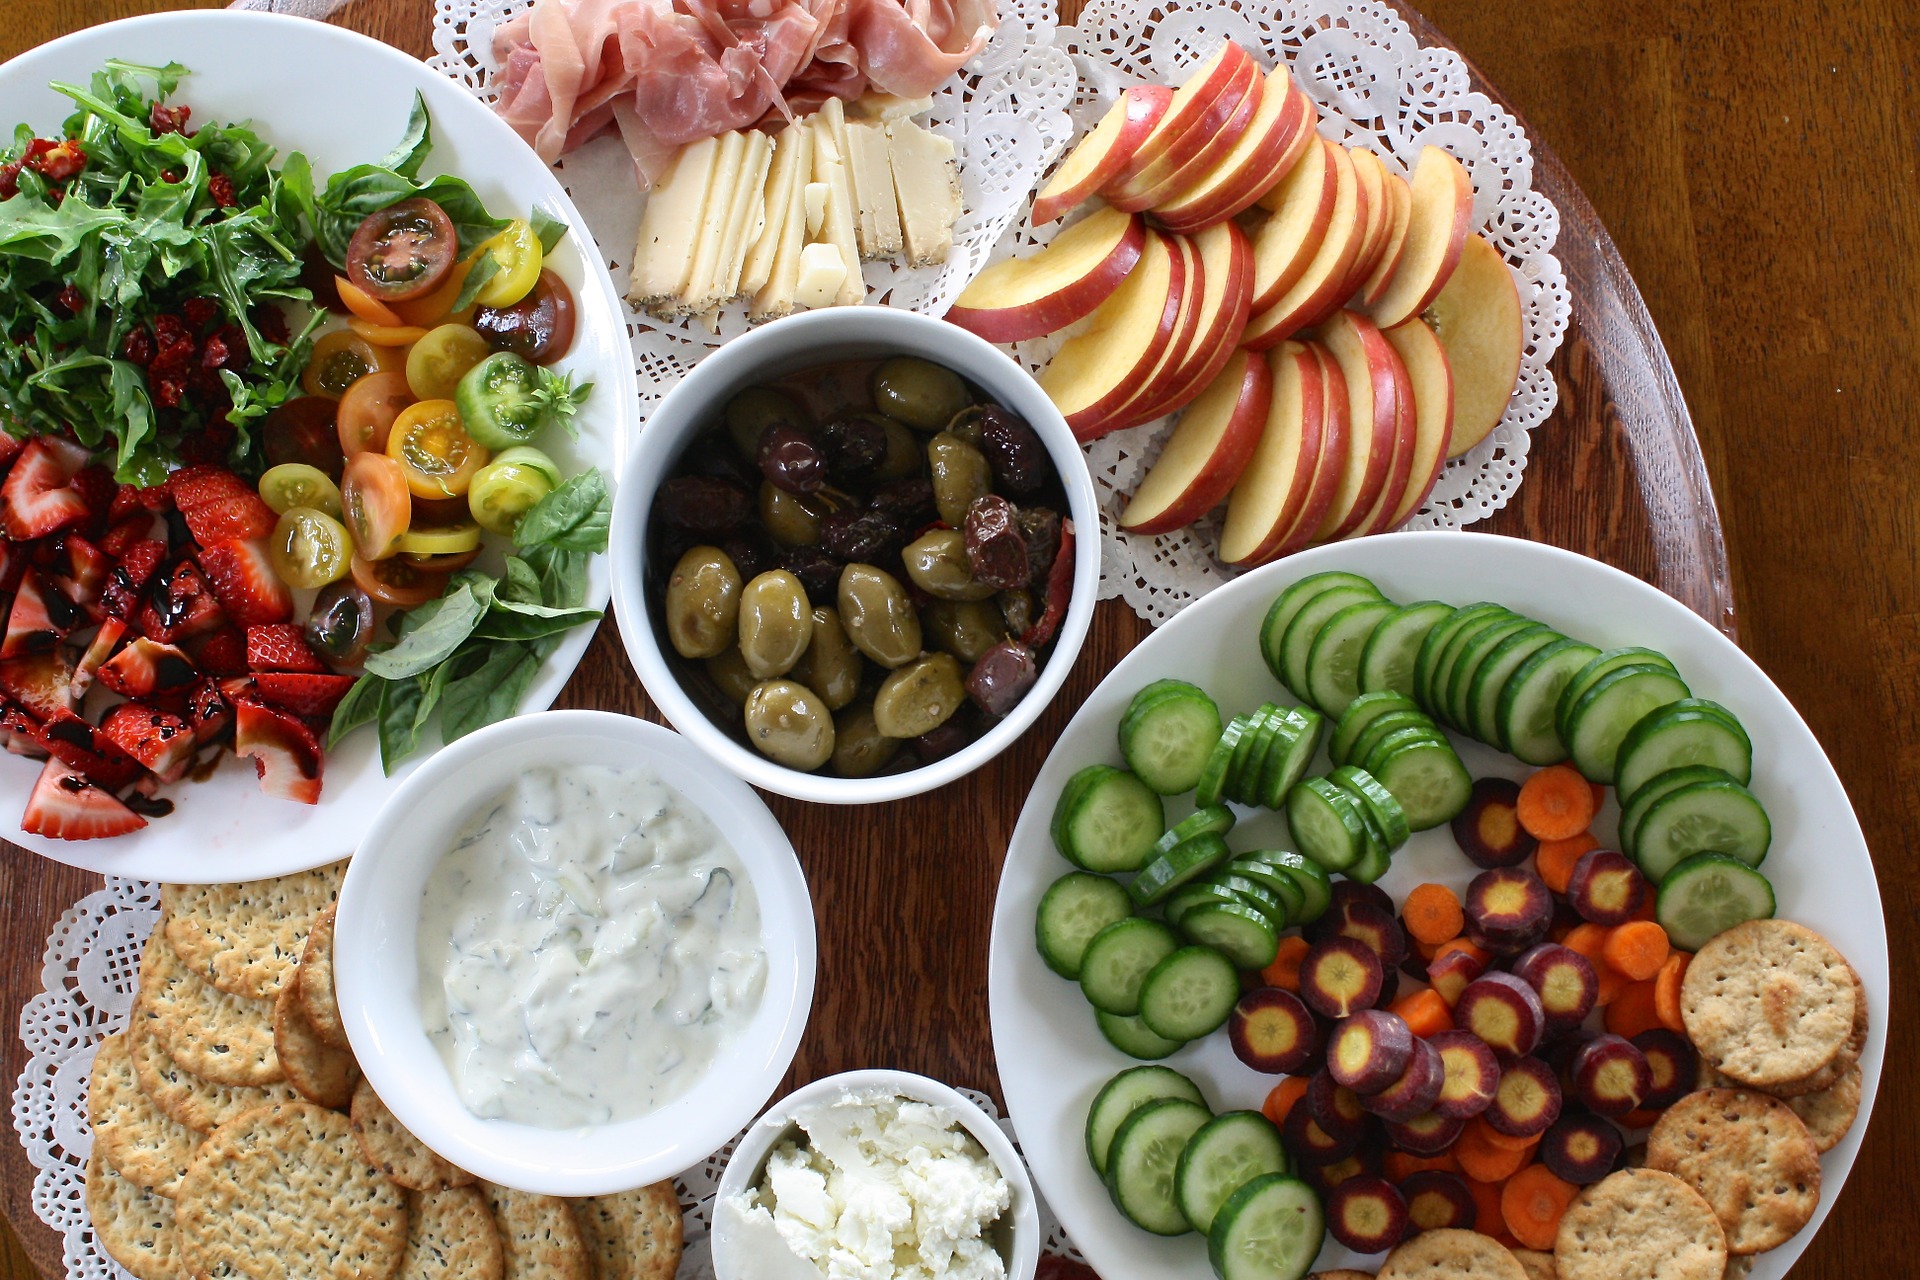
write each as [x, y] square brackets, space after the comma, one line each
[587, 947]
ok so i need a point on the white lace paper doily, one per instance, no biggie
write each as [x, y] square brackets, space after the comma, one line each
[90, 974]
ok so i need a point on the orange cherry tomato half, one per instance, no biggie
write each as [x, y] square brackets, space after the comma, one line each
[397, 582]
[365, 305]
[382, 335]
[368, 409]
[434, 451]
[437, 307]
[342, 358]
[375, 505]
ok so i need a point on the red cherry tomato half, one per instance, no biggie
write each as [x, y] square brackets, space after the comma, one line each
[538, 328]
[368, 409]
[403, 251]
[397, 582]
[375, 504]
[302, 430]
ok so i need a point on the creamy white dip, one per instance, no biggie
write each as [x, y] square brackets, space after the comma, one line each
[586, 948]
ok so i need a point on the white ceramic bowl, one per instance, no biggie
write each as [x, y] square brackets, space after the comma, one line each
[782, 347]
[1016, 1234]
[375, 966]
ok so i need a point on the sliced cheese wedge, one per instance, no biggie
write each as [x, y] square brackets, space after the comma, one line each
[718, 272]
[712, 226]
[670, 224]
[888, 107]
[775, 298]
[752, 217]
[926, 185]
[880, 232]
[781, 177]
[816, 201]
[822, 273]
[837, 226]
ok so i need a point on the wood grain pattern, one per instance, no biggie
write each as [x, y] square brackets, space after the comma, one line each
[1754, 163]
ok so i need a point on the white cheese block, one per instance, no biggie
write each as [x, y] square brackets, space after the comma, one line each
[926, 182]
[879, 228]
[887, 107]
[713, 223]
[822, 273]
[837, 226]
[750, 218]
[775, 298]
[778, 195]
[663, 258]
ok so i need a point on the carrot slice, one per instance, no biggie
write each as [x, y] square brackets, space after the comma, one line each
[1532, 1204]
[1587, 939]
[1632, 1010]
[1281, 1097]
[1640, 1119]
[1427, 950]
[1637, 949]
[1555, 803]
[1400, 1166]
[1504, 1141]
[1284, 972]
[1666, 991]
[1554, 860]
[1484, 1162]
[1461, 944]
[1425, 1012]
[1612, 983]
[1433, 914]
[1486, 1206]
[1599, 796]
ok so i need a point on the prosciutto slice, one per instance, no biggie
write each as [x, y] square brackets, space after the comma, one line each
[669, 72]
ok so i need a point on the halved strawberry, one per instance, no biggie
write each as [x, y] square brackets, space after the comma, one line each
[191, 487]
[126, 533]
[38, 496]
[309, 696]
[224, 653]
[208, 712]
[160, 740]
[282, 648]
[245, 583]
[240, 517]
[66, 805]
[13, 562]
[41, 682]
[10, 447]
[127, 584]
[285, 752]
[19, 731]
[73, 739]
[96, 487]
[99, 649]
[131, 500]
[40, 618]
[147, 667]
[80, 569]
[181, 604]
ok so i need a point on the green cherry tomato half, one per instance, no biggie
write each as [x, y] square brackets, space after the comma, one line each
[295, 484]
[498, 402]
[310, 548]
[504, 491]
[527, 456]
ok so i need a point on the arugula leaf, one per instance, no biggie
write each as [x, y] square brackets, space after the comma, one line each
[548, 230]
[574, 517]
[434, 630]
[359, 707]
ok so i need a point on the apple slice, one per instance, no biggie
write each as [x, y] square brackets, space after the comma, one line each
[1317, 292]
[1430, 388]
[1477, 319]
[1273, 493]
[1207, 451]
[1099, 157]
[1265, 154]
[1026, 297]
[1235, 110]
[1402, 472]
[1437, 224]
[1226, 272]
[1191, 117]
[1148, 390]
[1400, 205]
[1097, 372]
[1372, 176]
[1366, 365]
[1285, 243]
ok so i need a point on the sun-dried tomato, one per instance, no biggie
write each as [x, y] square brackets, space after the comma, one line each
[137, 348]
[220, 187]
[168, 392]
[271, 322]
[71, 299]
[58, 161]
[169, 120]
[10, 179]
[200, 312]
[171, 176]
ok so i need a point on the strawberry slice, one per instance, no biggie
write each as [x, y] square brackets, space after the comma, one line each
[181, 604]
[38, 496]
[127, 584]
[80, 569]
[10, 447]
[309, 696]
[244, 582]
[147, 667]
[131, 500]
[99, 649]
[160, 740]
[96, 487]
[282, 648]
[41, 682]
[208, 712]
[74, 740]
[232, 519]
[40, 618]
[199, 486]
[13, 564]
[224, 653]
[66, 805]
[285, 752]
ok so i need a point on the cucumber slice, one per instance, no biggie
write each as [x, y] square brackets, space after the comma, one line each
[1296, 646]
[1474, 649]
[1186, 861]
[1608, 711]
[1379, 803]
[1270, 1229]
[1240, 933]
[1692, 731]
[1527, 711]
[1603, 664]
[1436, 640]
[1107, 820]
[1634, 805]
[1281, 613]
[1373, 864]
[1292, 756]
[1130, 1036]
[1384, 725]
[1252, 749]
[1126, 1093]
[1333, 661]
[1427, 779]
[1439, 678]
[1076, 907]
[1274, 879]
[1246, 785]
[1315, 884]
[1706, 895]
[1208, 820]
[1386, 664]
[1256, 895]
[1200, 893]
[1117, 961]
[1224, 1155]
[1213, 778]
[1189, 994]
[1168, 733]
[1141, 1162]
[1702, 817]
[1360, 713]
[1326, 824]
[1491, 679]
[1400, 738]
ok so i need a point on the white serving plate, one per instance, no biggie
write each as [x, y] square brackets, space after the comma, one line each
[1053, 1059]
[343, 99]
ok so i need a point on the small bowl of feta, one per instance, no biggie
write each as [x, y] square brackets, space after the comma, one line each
[573, 956]
[875, 1173]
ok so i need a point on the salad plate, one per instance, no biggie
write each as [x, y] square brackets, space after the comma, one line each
[1053, 1059]
[340, 98]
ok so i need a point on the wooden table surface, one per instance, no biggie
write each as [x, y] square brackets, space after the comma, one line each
[1755, 162]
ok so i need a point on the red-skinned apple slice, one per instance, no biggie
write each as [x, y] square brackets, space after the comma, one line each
[1226, 272]
[1477, 319]
[1273, 492]
[1399, 206]
[1430, 383]
[1372, 176]
[1046, 291]
[1366, 363]
[1207, 451]
[1402, 471]
[1236, 109]
[1150, 389]
[1285, 243]
[1438, 220]
[1264, 155]
[1100, 156]
[1096, 372]
[1184, 129]
[1318, 291]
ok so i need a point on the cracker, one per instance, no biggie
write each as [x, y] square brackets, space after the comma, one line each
[223, 1038]
[1537, 1265]
[282, 1193]
[1830, 1113]
[1739, 1268]
[1829, 1075]
[539, 1235]
[389, 1146]
[1769, 1001]
[633, 1235]
[201, 1105]
[246, 938]
[321, 1073]
[1342, 1274]
[1450, 1254]
[1749, 1156]
[315, 980]
[132, 1224]
[143, 1144]
[451, 1236]
[1640, 1224]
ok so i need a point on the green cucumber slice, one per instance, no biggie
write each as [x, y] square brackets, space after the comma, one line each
[1692, 731]
[1437, 640]
[1296, 646]
[1242, 934]
[1225, 1154]
[1527, 711]
[1378, 801]
[1706, 895]
[1603, 664]
[1130, 1036]
[1186, 861]
[1634, 805]
[1270, 1229]
[1281, 613]
[1213, 778]
[1360, 713]
[1473, 651]
[1073, 909]
[1142, 1160]
[1491, 679]
[1333, 660]
[1208, 820]
[1189, 994]
[1326, 824]
[1118, 960]
[1293, 755]
[1427, 779]
[1608, 711]
[1702, 817]
[1107, 820]
[1168, 733]
[1126, 1093]
[1386, 664]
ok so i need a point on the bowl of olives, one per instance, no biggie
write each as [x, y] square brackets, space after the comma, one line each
[855, 554]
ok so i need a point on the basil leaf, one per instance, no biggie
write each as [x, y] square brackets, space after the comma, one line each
[399, 722]
[491, 692]
[359, 707]
[574, 517]
[531, 622]
[485, 267]
[411, 151]
[433, 631]
[521, 583]
[549, 230]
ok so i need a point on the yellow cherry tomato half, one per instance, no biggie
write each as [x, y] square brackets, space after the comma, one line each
[441, 358]
[435, 453]
[364, 304]
[439, 540]
[340, 359]
[309, 548]
[295, 484]
[517, 253]
[396, 581]
[387, 335]
[375, 504]
[368, 409]
[504, 491]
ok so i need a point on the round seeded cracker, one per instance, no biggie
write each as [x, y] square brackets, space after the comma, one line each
[1537, 1265]
[634, 1235]
[539, 1234]
[393, 1149]
[200, 1105]
[321, 1073]
[451, 1236]
[1640, 1224]
[282, 1193]
[1830, 1113]
[315, 981]
[1451, 1254]
[219, 1037]
[1343, 1273]
[132, 1224]
[246, 939]
[1769, 1002]
[1749, 1156]
[141, 1142]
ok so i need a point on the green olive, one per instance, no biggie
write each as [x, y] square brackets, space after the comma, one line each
[703, 603]
[776, 623]
[904, 457]
[960, 474]
[919, 697]
[919, 393]
[860, 750]
[966, 424]
[752, 411]
[937, 563]
[1016, 610]
[878, 615]
[964, 628]
[788, 723]
[831, 666]
[729, 674]
[792, 521]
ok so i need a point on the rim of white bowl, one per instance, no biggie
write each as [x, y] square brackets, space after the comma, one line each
[699, 395]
